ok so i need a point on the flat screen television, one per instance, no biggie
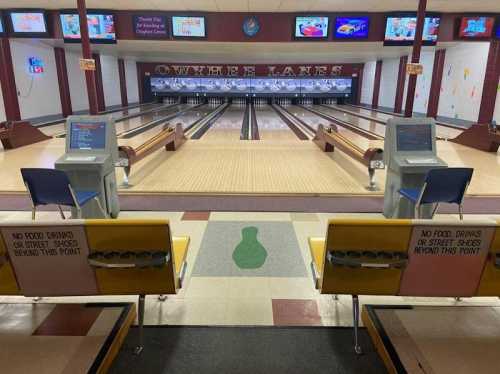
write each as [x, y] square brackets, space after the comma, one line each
[188, 27]
[28, 23]
[2, 27]
[311, 27]
[476, 27]
[352, 27]
[150, 26]
[87, 136]
[497, 31]
[101, 26]
[400, 29]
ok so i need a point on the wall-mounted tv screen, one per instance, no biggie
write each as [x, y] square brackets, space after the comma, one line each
[497, 32]
[150, 26]
[101, 27]
[476, 27]
[400, 30]
[28, 23]
[311, 27]
[188, 27]
[352, 27]
[2, 27]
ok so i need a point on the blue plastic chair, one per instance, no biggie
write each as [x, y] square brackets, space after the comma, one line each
[50, 186]
[441, 186]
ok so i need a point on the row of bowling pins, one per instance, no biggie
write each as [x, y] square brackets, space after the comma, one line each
[238, 101]
[215, 100]
[283, 101]
[195, 100]
[170, 100]
[329, 101]
[259, 102]
[306, 102]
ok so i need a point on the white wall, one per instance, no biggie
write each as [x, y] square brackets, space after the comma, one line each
[39, 93]
[463, 77]
[2, 108]
[388, 83]
[368, 82]
[131, 79]
[77, 84]
[496, 115]
[423, 83]
[110, 80]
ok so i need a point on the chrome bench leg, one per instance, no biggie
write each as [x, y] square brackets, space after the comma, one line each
[162, 298]
[140, 317]
[355, 312]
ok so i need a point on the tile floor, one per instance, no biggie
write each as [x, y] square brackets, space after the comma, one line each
[216, 292]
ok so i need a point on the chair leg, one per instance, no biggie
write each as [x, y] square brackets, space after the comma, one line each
[100, 207]
[61, 212]
[435, 210]
[417, 211]
[396, 207]
[355, 314]
[140, 317]
[33, 213]
[461, 211]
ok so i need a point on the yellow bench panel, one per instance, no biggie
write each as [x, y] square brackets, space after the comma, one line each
[490, 280]
[359, 235]
[180, 248]
[8, 282]
[129, 235]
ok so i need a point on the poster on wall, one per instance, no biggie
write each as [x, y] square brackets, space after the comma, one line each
[188, 27]
[311, 27]
[28, 23]
[150, 26]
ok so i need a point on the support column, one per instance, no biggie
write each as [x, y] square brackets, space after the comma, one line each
[490, 87]
[62, 76]
[415, 57]
[400, 87]
[437, 78]
[360, 86]
[87, 54]
[8, 82]
[140, 82]
[123, 82]
[376, 84]
[101, 103]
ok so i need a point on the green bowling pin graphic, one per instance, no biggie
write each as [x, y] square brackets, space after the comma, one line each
[249, 253]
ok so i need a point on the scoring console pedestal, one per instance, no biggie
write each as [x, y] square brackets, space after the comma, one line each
[89, 162]
[410, 152]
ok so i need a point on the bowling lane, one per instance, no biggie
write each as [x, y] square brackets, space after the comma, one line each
[228, 126]
[185, 119]
[132, 123]
[60, 128]
[271, 126]
[441, 131]
[372, 126]
[314, 120]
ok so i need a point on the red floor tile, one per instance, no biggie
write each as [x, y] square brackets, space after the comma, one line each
[295, 312]
[195, 216]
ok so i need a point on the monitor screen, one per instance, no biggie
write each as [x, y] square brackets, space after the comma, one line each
[150, 26]
[311, 27]
[352, 27]
[28, 23]
[87, 136]
[497, 32]
[188, 27]
[413, 138]
[2, 28]
[476, 27]
[401, 30]
[101, 27]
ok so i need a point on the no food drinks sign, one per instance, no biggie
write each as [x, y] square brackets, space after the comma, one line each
[446, 260]
[46, 257]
